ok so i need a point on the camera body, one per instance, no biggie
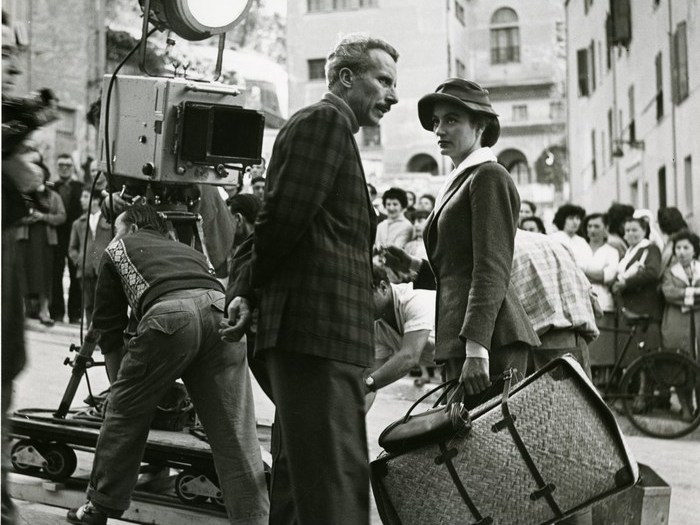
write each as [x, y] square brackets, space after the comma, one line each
[179, 131]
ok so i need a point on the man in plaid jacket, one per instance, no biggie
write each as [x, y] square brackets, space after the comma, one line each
[312, 271]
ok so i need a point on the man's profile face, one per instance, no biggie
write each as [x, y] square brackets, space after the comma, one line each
[381, 297]
[10, 65]
[374, 92]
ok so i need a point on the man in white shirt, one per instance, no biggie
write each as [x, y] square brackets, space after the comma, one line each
[404, 330]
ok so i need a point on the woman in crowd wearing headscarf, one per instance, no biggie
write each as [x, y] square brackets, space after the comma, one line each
[636, 285]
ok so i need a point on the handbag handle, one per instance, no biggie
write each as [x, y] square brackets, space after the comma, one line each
[454, 405]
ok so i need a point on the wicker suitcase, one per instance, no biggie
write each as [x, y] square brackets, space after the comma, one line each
[543, 450]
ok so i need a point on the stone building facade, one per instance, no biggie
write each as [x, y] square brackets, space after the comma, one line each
[634, 104]
[515, 49]
[65, 52]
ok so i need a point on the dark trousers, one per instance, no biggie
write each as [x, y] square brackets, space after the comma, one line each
[57, 305]
[178, 337]
[320, 470]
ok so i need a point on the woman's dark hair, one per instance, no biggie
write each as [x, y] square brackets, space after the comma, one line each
[686, 235]
[145, 216]
[490, 125]
[617, 215]
[371, 190]
[428, 196]
[670, 220]
[414, 196]
[536, 220]
[395, 193]
[530, 204]
[643, 223]
[565, 211]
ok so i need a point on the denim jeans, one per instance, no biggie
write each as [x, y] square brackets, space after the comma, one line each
[178, 337]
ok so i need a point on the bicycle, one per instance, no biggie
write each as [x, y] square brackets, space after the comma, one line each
[659, 390]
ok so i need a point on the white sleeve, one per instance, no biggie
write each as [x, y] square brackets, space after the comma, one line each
[418, 311]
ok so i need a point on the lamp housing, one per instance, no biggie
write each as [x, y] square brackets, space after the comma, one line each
[196, 19]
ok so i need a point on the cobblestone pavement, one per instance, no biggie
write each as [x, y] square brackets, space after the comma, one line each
[43, 381]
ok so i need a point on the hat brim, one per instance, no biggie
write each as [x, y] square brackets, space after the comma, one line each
[426, 104]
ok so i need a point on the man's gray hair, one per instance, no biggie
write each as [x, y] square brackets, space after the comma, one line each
[353, 52]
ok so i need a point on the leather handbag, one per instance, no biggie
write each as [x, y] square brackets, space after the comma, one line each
[439, 423]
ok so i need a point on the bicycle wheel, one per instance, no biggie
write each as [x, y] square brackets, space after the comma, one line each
[661, 394]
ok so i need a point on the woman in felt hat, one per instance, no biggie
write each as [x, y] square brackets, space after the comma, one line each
[482, 328]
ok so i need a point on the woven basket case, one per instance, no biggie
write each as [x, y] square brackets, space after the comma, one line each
[568, 431]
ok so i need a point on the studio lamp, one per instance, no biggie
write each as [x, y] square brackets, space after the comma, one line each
[195, 19]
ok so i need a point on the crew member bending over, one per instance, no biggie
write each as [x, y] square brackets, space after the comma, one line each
[404, 330]
[174, 295]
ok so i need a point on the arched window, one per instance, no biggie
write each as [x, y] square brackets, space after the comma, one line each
[516, 163]
[505, 36]
[520, 172]
[423, 163]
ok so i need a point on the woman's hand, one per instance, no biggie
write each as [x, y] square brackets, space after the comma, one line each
[475, 375]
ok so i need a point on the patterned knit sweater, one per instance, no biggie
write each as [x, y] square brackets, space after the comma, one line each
[135, 271]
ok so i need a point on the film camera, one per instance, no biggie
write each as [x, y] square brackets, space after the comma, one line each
[174, 130]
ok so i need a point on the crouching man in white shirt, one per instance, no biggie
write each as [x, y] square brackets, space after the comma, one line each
[404, 331]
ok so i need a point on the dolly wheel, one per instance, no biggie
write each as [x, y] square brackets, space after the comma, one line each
[18, 450]
[184, 480]
[60, 461]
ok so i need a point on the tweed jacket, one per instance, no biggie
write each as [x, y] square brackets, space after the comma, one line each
[313, 239]
[469, 238]
[96, 244]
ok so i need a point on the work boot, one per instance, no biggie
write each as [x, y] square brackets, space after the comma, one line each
[88, 514]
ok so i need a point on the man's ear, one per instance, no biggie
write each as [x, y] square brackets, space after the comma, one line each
[385, 286]
[346, 77]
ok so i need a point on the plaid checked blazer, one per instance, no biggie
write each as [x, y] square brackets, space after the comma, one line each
[311, 261]
[469, 239]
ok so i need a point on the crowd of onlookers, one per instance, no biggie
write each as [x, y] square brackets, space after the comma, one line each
[52, 237]
[634, 260]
